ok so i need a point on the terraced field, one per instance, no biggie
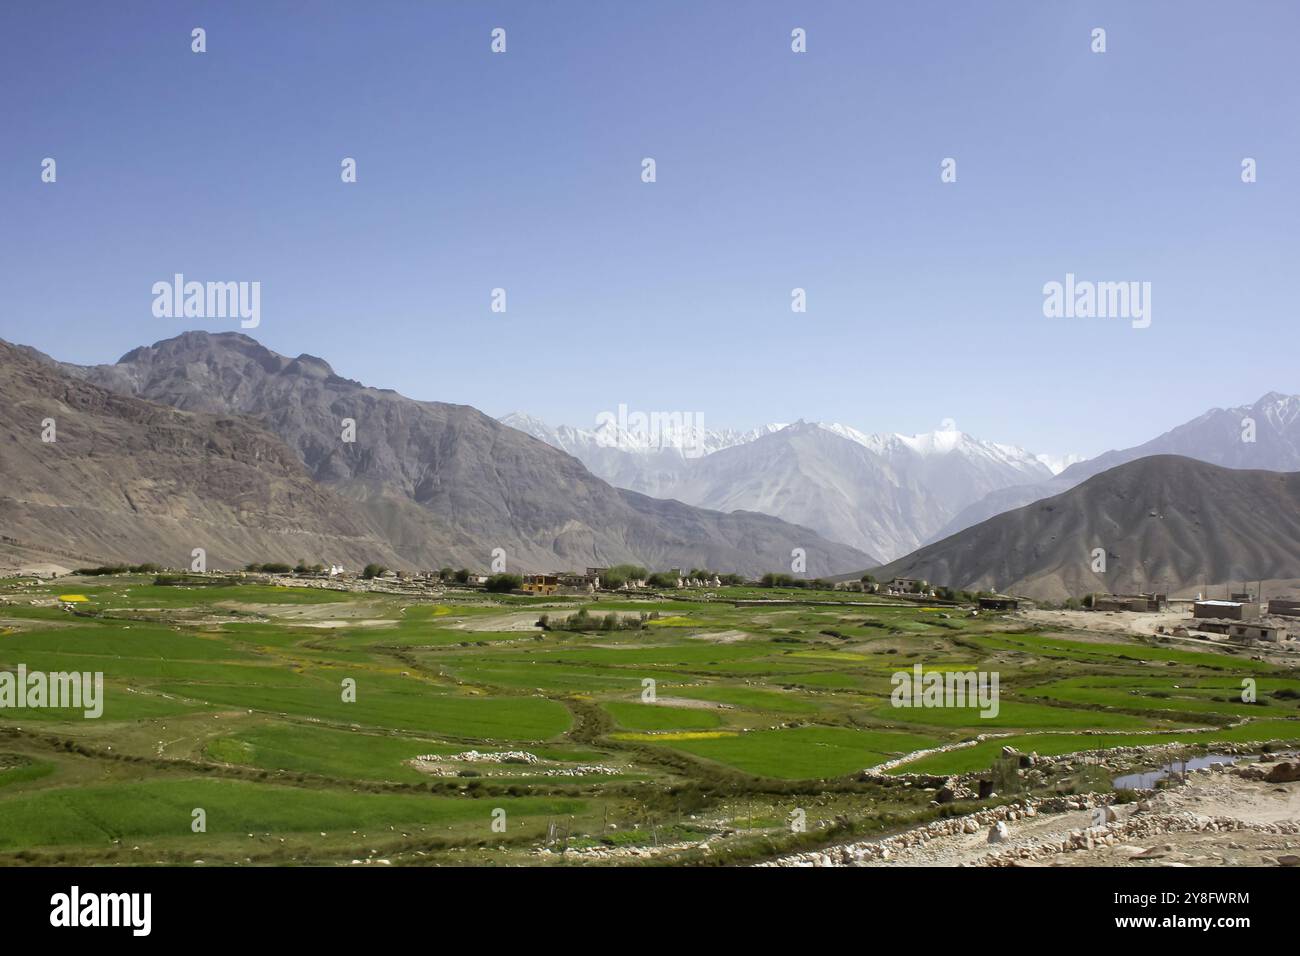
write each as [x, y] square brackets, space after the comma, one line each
[312, 726]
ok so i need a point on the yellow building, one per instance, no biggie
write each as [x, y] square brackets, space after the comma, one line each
[541, 583]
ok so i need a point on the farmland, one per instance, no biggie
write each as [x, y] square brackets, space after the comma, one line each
[309, 726]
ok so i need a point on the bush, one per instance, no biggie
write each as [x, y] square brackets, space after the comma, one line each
[121, 569]
[504, 583]
[771, 580]
[373, 571]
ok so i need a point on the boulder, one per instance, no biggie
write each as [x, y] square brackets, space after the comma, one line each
[1284, 772]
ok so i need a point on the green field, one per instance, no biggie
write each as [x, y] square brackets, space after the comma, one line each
[314, 726]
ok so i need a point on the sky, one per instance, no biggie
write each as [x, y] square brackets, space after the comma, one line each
[775, 170]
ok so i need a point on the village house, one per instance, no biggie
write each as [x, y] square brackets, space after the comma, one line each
[1225, 610]
[1130, 602]
[541, 583]
[1284, 608]
[1257, 632]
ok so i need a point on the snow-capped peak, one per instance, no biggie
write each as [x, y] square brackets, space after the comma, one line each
[648, 434]
[639, 433]
[1058, 463]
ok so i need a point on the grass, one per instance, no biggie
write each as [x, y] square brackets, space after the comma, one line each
[226, 698]
[660, 716]
[804, 752]
[95, 816]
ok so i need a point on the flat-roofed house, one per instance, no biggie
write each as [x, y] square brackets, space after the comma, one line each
[1284, 608]
[1257, 632]
[1226, 610]
[541, 583]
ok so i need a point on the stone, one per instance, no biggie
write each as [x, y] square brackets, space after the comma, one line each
[1284, 772]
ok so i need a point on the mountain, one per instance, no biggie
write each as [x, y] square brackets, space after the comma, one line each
[630, 458]
[126, 480]
[1216, 437]
[446, 484]
[1058, 463]
[883, 494]
[1166, 522]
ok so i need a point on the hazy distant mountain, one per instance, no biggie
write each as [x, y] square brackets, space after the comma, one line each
[1165, 522]
[628, 458]
[1215, 437]
[127, 480]
[445, 483]
[884, 494]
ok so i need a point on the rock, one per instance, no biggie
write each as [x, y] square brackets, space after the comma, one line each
[1288, 859]
[1284, 772]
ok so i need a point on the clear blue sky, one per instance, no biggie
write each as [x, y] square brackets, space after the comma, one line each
[775, 170]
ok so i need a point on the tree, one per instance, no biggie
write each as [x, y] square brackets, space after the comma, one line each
[620, 574]
[462, 576]
[373, 571]
[503, 583]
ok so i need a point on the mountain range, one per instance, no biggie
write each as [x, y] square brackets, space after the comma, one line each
[89, 477]
[1163, 522]
[885, 494]
[889, 494]
[422, 484]
[1264, 435]
[214, 441]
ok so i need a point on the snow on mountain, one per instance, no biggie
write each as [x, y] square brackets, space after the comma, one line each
[1264, 435]
[1058, 463]
[674, 435]
[882, 493]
